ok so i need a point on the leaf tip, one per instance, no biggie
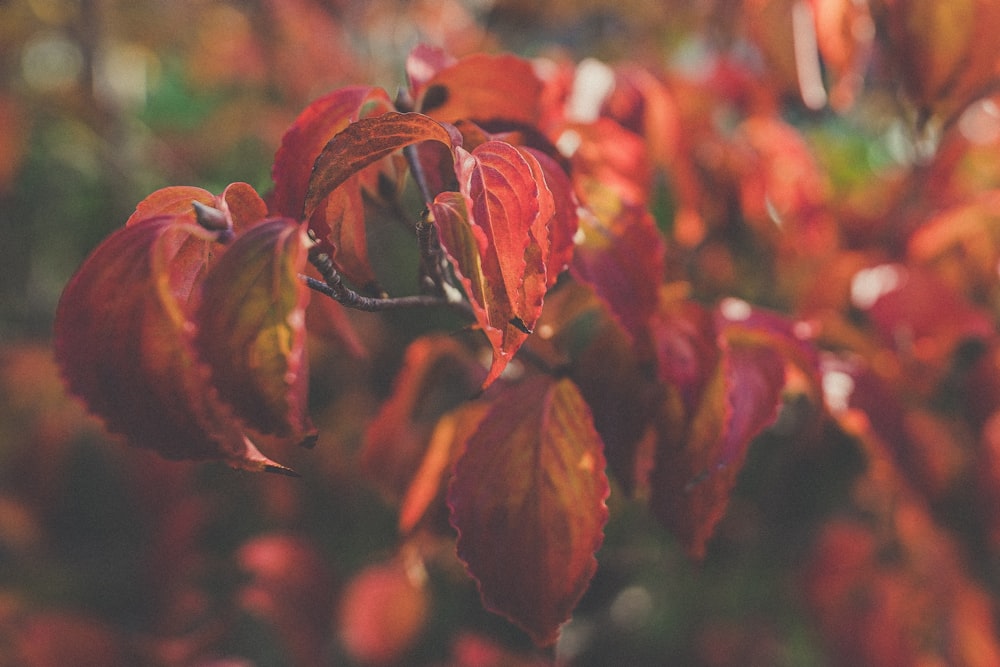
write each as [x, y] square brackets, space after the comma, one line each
[279, 469]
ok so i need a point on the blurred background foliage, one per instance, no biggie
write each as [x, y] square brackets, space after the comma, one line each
[112, 556]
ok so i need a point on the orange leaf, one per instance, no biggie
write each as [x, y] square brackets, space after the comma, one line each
[527, 499]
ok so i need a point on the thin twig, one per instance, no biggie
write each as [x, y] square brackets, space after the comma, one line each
[333, 286]
[348, 297]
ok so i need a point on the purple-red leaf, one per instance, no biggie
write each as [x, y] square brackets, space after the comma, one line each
[250, 322]
[121, 338]
[528, 501]
[719, 401]
[622, 258]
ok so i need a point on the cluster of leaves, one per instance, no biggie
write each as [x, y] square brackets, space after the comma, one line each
[623, 348]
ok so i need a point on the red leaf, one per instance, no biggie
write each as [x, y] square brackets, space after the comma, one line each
[251, 328]
[622, 258]
[333, 198]
[480, 88]
[173, 200]
[128, 356]
[496, 235]
[701, 452]
[366, 141]
[337, 218]
[239, 204]
[564, 220]
[527, 499]
[438, 374]
[577, 332]
[305, 139]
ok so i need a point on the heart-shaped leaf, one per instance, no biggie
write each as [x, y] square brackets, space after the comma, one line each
[528, 501]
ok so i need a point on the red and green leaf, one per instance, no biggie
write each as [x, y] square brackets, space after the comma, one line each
[250, 321]
[122, 342]
[528, 501]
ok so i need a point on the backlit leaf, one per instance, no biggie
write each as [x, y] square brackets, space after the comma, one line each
[527, 499]
[251, 328]
[366, 141]
[481, 87]
[496, 235]
[336, 218]
[121, 340]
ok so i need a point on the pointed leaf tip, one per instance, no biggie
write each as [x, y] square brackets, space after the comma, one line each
[528, 501]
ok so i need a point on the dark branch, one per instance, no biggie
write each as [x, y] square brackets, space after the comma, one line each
[333, 286]
[344, 295]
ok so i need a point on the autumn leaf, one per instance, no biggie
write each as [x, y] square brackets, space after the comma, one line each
[238, 207]
[527, 499]
[250, 319]
[239, 204]
[478, 87]
[128, 357]
[438, 374]
[496, 234]
[366, 141]
[309, 134]
[944, 52]
[719, 401]
[337, 218]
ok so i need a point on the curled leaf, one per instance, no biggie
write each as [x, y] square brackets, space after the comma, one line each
[251, 328]
[338, 219]
[496, 233]
[121, 339]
